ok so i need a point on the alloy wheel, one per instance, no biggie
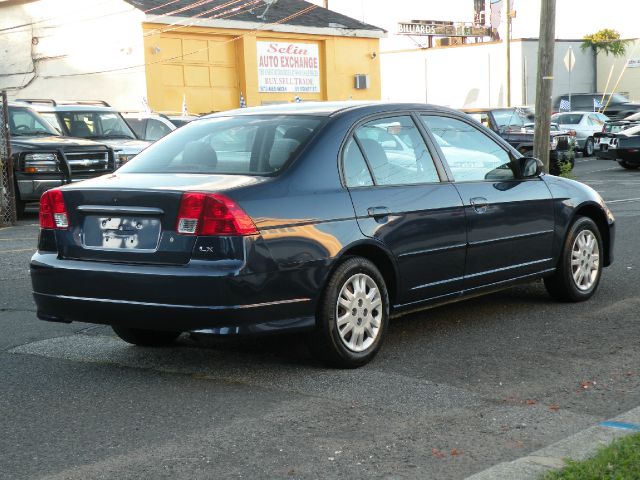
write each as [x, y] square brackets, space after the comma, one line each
[585, 260]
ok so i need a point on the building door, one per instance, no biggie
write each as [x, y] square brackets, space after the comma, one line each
[197, 68]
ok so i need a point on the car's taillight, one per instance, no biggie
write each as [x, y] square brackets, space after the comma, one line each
[53, 212]
[212, 214]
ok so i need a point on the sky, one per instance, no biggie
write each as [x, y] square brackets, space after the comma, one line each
[574, 18]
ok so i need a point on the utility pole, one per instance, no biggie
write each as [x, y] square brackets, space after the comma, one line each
[508, 45]
[544, 83]
[325, 4]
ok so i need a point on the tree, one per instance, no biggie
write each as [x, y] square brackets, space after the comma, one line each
[606, 41]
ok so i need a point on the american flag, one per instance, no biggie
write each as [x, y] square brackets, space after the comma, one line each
[565, 105]
[243, 104]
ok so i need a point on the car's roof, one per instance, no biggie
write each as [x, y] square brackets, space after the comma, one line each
[584, 94]
[41, 107]
[325, 108]
[143, 115]
[578, 112]
[19, 105]
[487, 109]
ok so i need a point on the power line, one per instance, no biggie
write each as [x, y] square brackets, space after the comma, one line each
[253, 31]
[160, 6]
[7, 30]
[237, 10]
[191, 6]
[25, 26]
[153, 32]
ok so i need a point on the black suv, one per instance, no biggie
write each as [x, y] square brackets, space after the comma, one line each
[43, 159]
[514, 125]
[619, 106]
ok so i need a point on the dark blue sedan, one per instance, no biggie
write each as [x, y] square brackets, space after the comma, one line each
[320, 217]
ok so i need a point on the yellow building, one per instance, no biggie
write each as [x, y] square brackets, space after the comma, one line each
[211, 55]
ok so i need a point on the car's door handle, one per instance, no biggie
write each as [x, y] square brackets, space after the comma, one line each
[378, 212]
[479, 204]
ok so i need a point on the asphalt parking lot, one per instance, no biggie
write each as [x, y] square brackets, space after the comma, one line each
[455, 389]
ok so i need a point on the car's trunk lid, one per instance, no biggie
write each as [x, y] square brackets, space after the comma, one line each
[132, 218]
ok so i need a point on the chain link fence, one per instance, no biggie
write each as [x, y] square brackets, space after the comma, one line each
[7, 197]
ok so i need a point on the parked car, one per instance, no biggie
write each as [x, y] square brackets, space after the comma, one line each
[622, 146]
[618, 107]
[149, 126]
[312, 221]
[603, 140]
[95, 120]
[584, 124]
[514, 125]
[43, 159]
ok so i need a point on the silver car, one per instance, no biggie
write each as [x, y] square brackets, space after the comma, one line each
[584, 124]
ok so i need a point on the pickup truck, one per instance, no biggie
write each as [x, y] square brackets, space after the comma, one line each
[43, 159]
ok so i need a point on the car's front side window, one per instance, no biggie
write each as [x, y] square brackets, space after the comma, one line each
[396, 152]
[470, 154]
[25, 122]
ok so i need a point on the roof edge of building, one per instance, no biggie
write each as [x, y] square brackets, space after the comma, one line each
[257, 26]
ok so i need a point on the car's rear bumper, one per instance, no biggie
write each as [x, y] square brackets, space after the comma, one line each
[181, 298]
[609, 154]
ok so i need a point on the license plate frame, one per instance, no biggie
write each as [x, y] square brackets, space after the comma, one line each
[122, 233]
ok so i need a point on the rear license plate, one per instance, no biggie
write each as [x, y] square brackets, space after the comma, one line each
[121, 233]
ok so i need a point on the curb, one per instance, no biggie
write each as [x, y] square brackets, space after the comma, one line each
[580, 446]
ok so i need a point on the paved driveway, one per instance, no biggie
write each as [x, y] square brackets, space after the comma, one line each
[455, 389]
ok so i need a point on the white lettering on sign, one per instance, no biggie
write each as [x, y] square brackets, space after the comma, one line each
[416, 29]
[288, 67]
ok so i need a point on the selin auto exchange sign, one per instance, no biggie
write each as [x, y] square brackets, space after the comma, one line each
[288, 67]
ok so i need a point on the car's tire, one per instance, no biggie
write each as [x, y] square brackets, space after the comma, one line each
[579, 269]
[20, 208]
[145, 338]
[627, 165]
[352, 316]
[587, 151]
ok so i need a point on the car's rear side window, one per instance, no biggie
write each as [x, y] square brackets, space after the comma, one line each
[251, 145]
[395, 152]
[356, 172]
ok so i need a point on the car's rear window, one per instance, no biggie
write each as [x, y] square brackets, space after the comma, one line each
[250, 145]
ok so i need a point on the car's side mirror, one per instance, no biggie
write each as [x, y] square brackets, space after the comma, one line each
[530, 167]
